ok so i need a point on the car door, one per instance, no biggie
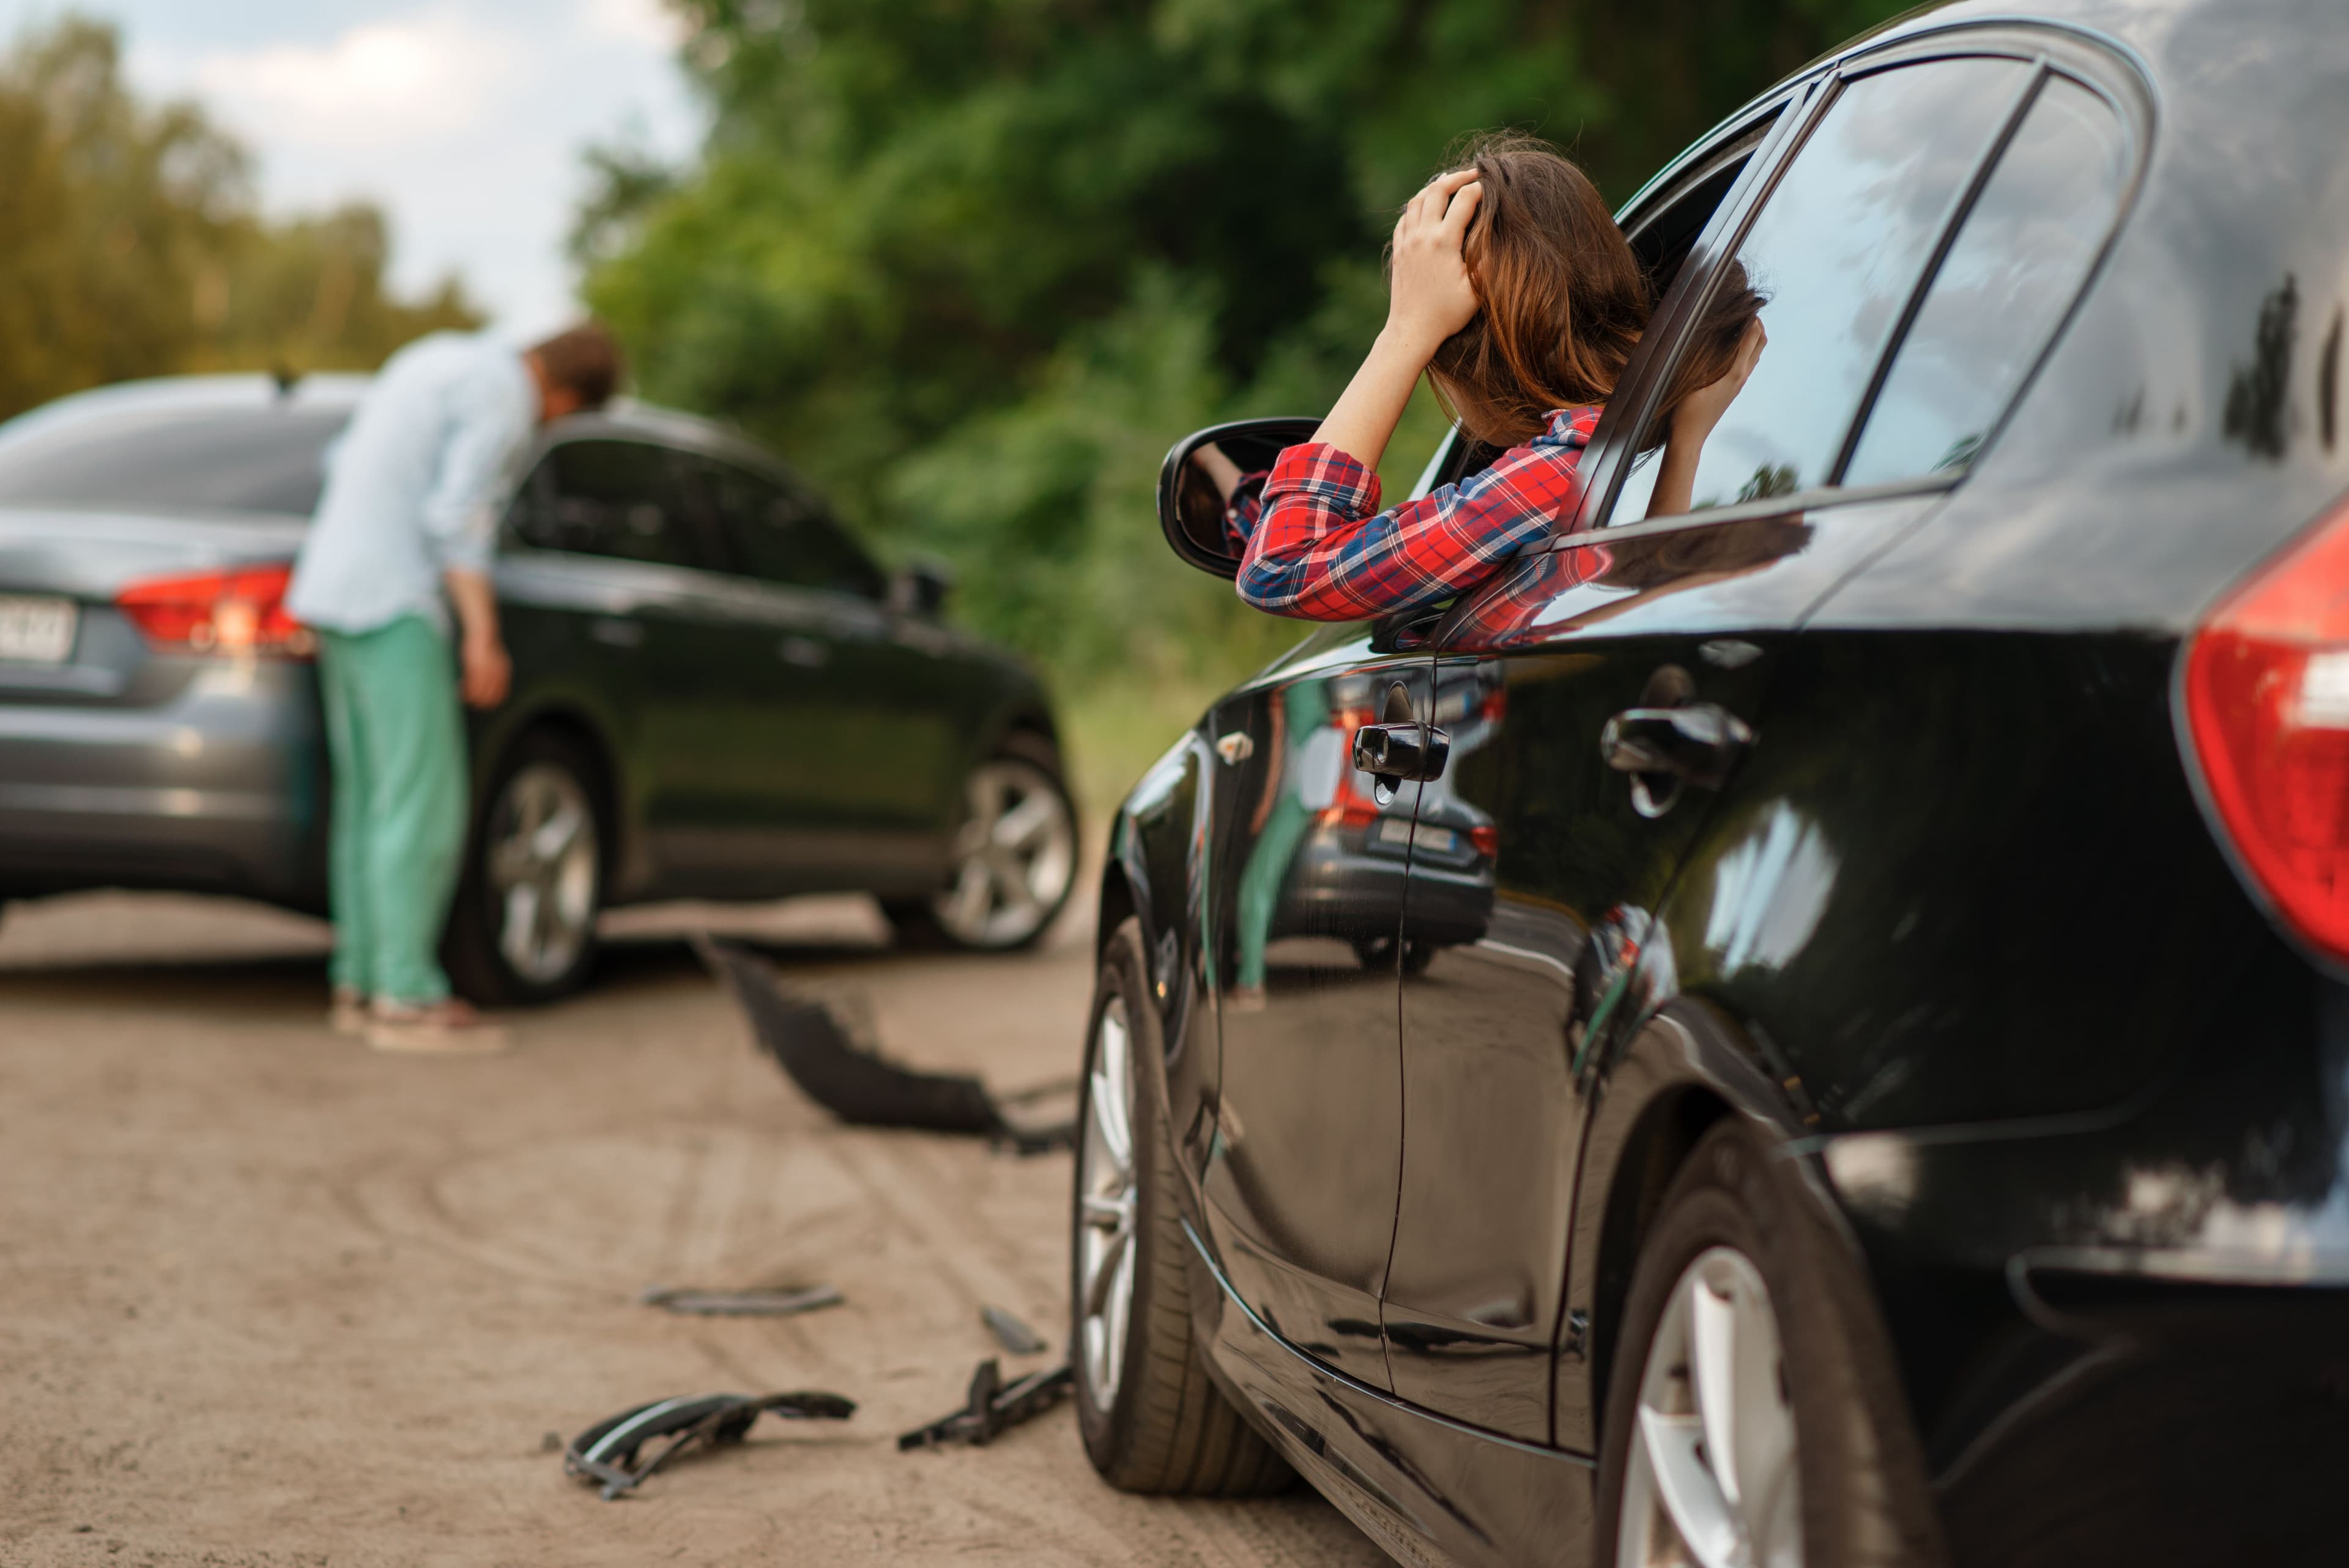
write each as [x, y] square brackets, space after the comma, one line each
[613, 537]
[854, 711]
[1619, 679]
[1305, 894]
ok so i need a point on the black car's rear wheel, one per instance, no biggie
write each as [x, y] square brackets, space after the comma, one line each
[1751, 1416]
[1152, 1420]
[1014, 860]
[524, 928]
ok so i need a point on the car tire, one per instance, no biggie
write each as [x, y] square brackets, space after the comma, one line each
[1014, 857]
[1748, 1323]
[1152, 1419]
[523, 929]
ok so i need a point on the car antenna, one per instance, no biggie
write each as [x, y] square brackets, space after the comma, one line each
[286, 379]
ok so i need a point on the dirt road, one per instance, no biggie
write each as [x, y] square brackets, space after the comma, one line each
[267, 1297]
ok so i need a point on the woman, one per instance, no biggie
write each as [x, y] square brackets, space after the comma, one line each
[1515, 292]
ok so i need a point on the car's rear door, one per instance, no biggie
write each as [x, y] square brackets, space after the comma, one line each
[1622, 677]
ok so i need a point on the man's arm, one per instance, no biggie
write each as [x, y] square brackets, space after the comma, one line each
[461, 522]
[481, 650]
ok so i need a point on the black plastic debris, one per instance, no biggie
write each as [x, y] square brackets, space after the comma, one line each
[1010, 1333]
[992, 1408]
[859, 1085]
[606, 1452]
[740, 1304]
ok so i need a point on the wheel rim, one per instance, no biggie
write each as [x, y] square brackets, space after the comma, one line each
[1014, 857]
[542, 865]
[1711, 1480]
[1107, 1196]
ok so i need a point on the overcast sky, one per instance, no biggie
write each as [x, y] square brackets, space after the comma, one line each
[463, 119]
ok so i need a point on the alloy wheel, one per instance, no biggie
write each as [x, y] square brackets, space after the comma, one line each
[1107, 1197]
[542, 867]
[1712, 1479]
[1014, 857]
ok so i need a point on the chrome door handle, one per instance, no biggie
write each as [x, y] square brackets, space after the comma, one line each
[1397, 752]
[1698, 743]
[805, 653]
[615, 633]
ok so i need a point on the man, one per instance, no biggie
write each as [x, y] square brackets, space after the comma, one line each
[409, 514]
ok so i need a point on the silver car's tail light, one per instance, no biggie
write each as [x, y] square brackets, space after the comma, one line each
[240, 611]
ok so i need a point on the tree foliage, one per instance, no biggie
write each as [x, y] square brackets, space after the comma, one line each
[130, 243]
[974, 263]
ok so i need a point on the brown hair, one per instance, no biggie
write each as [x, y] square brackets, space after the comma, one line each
[586, 359]
[1565, 301]
[1564, 298]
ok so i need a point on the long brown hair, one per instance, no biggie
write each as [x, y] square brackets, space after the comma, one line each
[1564, 297]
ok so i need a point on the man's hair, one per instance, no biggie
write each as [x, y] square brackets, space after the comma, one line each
[586, 359]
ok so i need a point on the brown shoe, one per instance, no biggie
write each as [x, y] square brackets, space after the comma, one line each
[449, 1028]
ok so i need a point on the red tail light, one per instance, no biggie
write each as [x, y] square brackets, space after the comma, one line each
[240, 611]
[2267, 702]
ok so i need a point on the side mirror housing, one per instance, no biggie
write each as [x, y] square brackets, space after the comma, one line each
[1210, 471]
[920, 589]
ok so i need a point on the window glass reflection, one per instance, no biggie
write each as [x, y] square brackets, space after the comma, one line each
[2014, 267]
[1837, 249]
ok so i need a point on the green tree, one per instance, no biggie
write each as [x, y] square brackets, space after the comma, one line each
[130, 243]
[974, 262]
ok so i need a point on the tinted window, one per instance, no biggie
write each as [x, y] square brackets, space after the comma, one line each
[617, 498]
[1837, 248]
[2009, 275]
[268, 459]
[781, 534]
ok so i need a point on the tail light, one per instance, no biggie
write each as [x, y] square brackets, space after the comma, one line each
[2266, 705]
[238, 611]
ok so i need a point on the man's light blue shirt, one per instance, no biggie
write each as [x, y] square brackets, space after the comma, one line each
[415, 484]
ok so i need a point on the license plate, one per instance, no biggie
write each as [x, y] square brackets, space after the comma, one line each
[36, 631]
[1397, 830]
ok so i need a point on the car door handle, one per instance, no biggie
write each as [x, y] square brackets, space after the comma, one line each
[616, 633]
[1697, 744]
[805, 653]
[1396, 752]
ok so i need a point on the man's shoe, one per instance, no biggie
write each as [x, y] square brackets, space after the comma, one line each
[449, 1028]
[348, 1013]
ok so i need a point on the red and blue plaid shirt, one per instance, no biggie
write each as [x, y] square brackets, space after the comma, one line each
[1316, 551]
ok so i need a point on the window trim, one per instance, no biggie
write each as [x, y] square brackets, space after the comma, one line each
[2079, 55]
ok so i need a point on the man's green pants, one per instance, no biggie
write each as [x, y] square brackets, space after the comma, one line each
[398, 744]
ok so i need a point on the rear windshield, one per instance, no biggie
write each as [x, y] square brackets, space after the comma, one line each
[210, 459]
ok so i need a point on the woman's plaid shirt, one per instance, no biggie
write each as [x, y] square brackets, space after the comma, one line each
[1317, 552]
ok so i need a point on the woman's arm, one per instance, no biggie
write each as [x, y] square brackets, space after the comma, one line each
[1430, 299]
[1693, 420]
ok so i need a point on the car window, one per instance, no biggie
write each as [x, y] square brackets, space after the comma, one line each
[2009, 276]
[780, 533]
[269, 458]
[615, 498]
[1836, 250]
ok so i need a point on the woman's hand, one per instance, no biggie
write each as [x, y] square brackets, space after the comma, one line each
[1701, 409]
[1432, 296]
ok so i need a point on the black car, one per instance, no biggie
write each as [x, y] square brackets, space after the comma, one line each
[717, 692]
[1893, 1105]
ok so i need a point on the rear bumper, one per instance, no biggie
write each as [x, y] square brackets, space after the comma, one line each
[222, 788]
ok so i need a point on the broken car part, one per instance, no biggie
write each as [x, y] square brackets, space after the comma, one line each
[606, 1451]
[740, 1304]
[1010, 1333]
[859, 1086]
[992, 1408]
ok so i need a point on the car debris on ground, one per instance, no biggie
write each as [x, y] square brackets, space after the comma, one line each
[856, 1082]
[606, 1452]
[992, 1408]
[1010, 1333]
[757, 1303]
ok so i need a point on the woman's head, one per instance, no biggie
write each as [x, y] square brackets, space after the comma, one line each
[1564, 298]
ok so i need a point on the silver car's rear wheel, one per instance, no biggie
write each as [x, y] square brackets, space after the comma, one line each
[543, 859]
[1711, 1480]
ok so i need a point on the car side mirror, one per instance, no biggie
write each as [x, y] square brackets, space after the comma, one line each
[1209, 474]
[920, 589]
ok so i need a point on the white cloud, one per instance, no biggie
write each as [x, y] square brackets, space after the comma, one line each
[382, 82]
